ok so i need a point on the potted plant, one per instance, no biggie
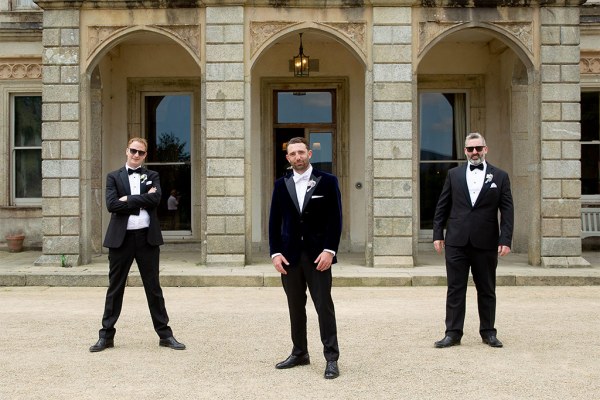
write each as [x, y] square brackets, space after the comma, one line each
[14, 241]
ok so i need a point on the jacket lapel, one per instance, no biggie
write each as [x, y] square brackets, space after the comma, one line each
[291, 187]
[462, 178]
[125, 180]
[486, 184]
[311, 190]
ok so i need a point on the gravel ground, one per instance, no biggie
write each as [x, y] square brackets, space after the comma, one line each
[236, 335]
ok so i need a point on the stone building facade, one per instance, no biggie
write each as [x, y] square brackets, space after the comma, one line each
[393, 87]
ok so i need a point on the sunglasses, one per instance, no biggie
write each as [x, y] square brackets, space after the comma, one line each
[471, 148]
[133, 152]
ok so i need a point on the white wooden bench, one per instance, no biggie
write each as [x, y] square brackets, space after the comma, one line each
[590, 222]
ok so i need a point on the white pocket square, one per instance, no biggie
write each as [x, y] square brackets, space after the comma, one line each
[316, 197]
[493, 185]
[148, 183]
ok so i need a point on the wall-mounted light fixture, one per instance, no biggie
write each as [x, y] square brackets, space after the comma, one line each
[301, 67]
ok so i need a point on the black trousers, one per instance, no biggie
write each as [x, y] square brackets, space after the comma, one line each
[483, 264]
[319, 285]
[134, 247]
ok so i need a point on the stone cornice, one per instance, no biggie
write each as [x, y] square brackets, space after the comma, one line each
[133, 4]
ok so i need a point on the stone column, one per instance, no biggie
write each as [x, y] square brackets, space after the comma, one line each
[225, 137]
[60, 139]
[392, 138]
[560, 135]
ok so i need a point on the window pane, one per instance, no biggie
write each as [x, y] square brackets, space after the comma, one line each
[321, 144]
[168, 125]
[432, 177]
[168, 130]
[304, 107]
[442, 121]
[28, 121]
[175, 178]
[590, 116]
[28, 173]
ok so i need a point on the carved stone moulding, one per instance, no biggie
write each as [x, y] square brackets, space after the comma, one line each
[261, 31]
[189, 34]
[589, 63]
[355, 31]
[12, 70]
[98, 35]
[521, 31]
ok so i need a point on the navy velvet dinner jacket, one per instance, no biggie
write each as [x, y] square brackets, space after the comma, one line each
[317, 227]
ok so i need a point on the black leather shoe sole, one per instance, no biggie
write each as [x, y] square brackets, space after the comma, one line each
[293, 361]
[447, 342]
[492, 342]
[99, 346]
[171, 343]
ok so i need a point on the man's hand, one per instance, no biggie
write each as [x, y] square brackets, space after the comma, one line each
[324, 261]
[503, 250]
[278, 262]
[439, 245]
[152, 190]
[124, 198]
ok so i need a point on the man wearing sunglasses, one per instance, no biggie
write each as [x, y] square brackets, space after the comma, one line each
[132, 195]
[468, 207]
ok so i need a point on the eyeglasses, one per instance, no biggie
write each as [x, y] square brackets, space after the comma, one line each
[133, 152]
[471, 148]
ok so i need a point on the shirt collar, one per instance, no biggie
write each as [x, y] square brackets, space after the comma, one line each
[305, 176]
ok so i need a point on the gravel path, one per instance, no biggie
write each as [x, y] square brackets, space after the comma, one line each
[236, 335]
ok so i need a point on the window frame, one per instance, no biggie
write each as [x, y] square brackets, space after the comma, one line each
[14, 200]
[590, 199]
[427, 234]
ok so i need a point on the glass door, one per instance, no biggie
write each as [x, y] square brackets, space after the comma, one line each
[309, 114]
[167, 124]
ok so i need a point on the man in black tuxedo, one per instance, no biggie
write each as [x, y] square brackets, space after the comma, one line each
[132, 195]
[472, 196]
[305, 226]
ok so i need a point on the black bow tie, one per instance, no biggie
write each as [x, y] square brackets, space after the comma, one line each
[134, 171]
[478, 166]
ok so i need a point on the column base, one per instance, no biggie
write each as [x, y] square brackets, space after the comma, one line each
[58, 260]
[393, 261]
[564, 262]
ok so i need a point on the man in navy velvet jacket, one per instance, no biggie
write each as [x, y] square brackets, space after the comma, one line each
[305, 226]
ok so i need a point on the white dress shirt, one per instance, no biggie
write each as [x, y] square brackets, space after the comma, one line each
[301, 181]
[475, 180]
[143, 219]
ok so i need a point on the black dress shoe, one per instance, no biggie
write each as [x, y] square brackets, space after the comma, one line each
[492, 341]
[172, 343]
[102, 344]
[293, 361]
[447, 341]
[331, 370]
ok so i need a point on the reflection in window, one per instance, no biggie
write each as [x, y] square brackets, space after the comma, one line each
[168, 124]
[321, 144]
[590, 143]
[443, 129]
[27, 149]
[304, 107]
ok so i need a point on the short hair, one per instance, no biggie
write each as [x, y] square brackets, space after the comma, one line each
[475, 135]
[138, 139]
[297, 140]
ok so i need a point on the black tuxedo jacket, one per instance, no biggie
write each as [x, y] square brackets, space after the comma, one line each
[317, 227]
[477, 224]
[117, 186]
